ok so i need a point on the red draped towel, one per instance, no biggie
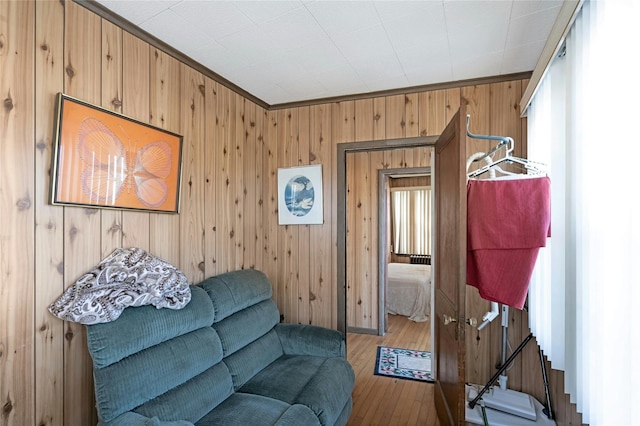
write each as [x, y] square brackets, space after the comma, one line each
[508, 220]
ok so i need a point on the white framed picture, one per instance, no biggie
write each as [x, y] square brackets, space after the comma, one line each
[300, 195]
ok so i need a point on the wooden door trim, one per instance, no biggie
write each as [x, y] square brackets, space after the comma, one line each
[383, 243]
[341, 203]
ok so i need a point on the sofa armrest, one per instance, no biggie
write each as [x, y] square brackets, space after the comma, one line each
[299, 339]
[134, 419]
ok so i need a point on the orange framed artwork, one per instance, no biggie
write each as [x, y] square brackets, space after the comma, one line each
[105, 159]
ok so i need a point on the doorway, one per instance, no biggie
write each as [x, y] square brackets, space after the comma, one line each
[342, 151]
[408, 301]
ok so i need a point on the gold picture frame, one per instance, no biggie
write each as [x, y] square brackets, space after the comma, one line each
[107, 160]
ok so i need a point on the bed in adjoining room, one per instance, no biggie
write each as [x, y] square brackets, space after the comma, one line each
[409, 290]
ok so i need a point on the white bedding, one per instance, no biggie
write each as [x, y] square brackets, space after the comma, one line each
[409, 290]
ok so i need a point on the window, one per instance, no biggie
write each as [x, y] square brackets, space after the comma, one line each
[586, 286]
[411, 220]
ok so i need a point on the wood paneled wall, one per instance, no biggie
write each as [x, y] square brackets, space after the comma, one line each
[228, 215]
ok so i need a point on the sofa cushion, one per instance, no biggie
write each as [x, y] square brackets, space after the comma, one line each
[248, 361]
[233, 291]
[302, 339]
[143, 376]
[246, 326]
[322, 384]
[346, 413]
[192, 400]
[146, 326]
[247, 410]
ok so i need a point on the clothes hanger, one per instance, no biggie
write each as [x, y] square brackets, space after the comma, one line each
[531, 167]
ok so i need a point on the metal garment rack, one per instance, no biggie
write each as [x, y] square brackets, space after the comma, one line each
[547, 410]
[504, 140]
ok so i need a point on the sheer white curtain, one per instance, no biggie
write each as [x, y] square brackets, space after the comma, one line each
[583, 122]
[411, 217]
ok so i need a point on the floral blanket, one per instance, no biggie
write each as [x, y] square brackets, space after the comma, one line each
[127, 277]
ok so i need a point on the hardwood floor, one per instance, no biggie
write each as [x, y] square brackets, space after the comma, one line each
[387, 401]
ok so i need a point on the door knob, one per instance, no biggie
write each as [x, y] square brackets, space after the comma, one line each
[448, 319]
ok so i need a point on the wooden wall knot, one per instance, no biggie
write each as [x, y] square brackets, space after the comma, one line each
[312, 157]
[8, 103]
[44, 47]
[24, 203]
[70, 71]
[202, 89]
[114, 228]
[201, 266]
[116, 102]
[7, 407]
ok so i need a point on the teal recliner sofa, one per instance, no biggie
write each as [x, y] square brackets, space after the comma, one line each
[224, 359]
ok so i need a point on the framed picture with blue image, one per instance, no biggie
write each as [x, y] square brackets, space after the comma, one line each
[300, 195]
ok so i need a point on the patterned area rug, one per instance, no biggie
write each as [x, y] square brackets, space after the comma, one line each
[403, 364]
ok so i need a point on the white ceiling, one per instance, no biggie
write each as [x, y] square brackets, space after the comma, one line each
[300, 50]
